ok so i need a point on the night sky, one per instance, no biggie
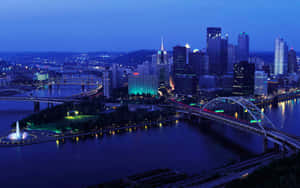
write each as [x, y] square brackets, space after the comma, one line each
[126, 25]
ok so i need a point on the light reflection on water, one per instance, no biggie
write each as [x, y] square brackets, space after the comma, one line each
[286, 116]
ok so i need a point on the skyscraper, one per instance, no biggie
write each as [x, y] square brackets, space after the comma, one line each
[261, 83]
[218, 54]
[162, 62]
[162, 55]
[281, 57]
[213, 32]
[199, 62]
[292, 61]
[224, 55]
[179, 60]
[243, 79]
[243, 47]
[184, 78]
[232, 57]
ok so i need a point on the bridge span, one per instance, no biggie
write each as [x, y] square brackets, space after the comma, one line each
[53, 100]
[258, 124]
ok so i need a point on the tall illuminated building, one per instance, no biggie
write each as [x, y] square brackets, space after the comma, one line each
[185, 80]
[217, 51]
[292, 61]
[243, 79]
[162, 63]
[261, 83]
[162, 55]
[281, 57]
[243, 47]
[212, 33]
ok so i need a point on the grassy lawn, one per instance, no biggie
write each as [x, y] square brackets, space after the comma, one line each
[65, 124]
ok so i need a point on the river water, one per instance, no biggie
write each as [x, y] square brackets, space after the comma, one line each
[186, 147]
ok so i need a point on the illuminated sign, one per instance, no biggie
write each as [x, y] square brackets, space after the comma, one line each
[254, 121]
[219, 111]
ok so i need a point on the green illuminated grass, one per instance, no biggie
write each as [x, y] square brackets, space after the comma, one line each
[59, 126]
[80, 117]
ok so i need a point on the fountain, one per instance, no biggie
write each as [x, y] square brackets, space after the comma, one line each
[18, 130]
[18, 135]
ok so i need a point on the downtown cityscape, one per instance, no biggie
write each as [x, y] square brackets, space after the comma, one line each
[217, 112]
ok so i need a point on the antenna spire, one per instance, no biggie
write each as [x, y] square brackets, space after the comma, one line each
[162, 44]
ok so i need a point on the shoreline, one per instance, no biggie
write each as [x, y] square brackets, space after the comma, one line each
[51, 136]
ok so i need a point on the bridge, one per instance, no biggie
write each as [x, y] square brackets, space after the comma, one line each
[51, 100]
[242, 114]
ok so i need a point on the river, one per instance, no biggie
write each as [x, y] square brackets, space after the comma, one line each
[186, 147]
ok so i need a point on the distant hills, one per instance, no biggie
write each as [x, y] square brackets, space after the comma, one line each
[125, 58]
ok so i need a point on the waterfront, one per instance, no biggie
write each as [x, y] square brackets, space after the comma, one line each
[185, 147]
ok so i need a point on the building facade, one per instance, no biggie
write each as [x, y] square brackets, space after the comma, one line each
[243, 47]
[243, 79]
[232, 57]
[213, 32]
[162, 63]
[106, 83]
[261, 83]
[217, 51]
[199, 62]
[184, 78]
[292, 61]
[142, 84]
[281, 57]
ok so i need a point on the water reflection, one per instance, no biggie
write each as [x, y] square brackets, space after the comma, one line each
[286, 114]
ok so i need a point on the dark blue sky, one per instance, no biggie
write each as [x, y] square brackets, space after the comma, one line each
[125, 25]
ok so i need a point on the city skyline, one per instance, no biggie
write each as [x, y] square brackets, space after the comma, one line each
[50, 26]
[160, 93]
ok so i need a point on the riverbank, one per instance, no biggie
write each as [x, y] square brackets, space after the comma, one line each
[48, 136]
